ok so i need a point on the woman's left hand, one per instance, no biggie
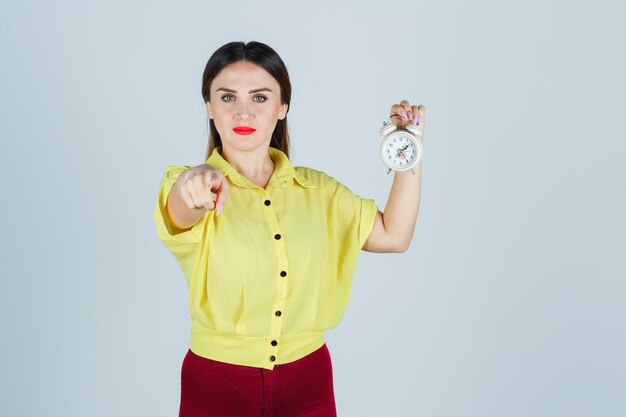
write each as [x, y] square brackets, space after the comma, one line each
[404, 113]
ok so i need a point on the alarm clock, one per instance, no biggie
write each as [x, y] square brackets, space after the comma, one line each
[401, 148]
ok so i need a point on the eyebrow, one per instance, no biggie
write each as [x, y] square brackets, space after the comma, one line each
[249, 92]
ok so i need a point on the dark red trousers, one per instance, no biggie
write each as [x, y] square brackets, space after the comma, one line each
[303, 388]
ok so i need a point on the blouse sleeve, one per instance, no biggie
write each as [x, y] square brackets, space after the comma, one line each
[352, 217]
[349, 222]
[178, 241]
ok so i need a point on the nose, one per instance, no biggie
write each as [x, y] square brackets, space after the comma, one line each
[244, 111]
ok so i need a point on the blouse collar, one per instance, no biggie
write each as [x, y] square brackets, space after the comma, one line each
[283, 175]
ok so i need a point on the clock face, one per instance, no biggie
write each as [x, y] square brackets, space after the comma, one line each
[399, 151]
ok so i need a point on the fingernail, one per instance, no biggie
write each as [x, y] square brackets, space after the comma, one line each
[219, 208]
[411, 115]
[403, 114]
[416, 119]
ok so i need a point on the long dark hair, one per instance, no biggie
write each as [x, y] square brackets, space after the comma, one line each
[265, 57]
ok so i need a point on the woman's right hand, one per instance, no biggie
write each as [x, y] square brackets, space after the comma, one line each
[203, 187]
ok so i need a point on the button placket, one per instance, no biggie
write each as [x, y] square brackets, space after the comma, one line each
[268, 205]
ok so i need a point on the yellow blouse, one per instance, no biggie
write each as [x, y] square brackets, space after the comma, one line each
[274, 270]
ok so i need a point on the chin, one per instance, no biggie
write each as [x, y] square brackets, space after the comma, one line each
[244, 143]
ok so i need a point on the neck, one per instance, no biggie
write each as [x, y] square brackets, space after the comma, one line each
[255, 165]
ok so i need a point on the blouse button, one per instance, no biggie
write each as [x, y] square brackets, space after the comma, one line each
[274, 342]
[272, 358]
[267, 202]
[283, 274]
[277, 236]
[278, 313]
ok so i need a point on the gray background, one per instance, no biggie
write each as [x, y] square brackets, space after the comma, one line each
[510, 301]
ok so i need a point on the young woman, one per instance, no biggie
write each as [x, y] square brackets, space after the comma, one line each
[268, 250]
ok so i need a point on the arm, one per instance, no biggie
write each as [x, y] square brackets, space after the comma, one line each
[393, 229]
[180, 215]
[192, 195]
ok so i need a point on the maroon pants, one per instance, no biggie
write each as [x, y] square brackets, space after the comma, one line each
[303, 388]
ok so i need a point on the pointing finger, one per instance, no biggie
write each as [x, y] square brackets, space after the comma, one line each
[222, 195]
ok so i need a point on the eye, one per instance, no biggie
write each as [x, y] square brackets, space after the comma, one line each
[261, 101]
[227, 95]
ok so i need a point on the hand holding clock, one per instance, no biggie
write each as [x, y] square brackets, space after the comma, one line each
[404, 113]
[401, 148]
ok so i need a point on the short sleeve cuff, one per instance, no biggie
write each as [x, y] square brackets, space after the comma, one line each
[369, 209]
[167, 232]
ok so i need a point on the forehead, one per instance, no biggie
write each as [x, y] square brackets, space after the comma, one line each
[242, 74]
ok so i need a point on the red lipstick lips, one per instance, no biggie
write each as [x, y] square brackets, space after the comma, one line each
[243, 130]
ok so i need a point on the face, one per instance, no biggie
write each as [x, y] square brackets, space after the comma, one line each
[243, 94]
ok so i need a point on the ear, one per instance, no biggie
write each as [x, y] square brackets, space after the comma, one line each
[208, 109]
[282, 113]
